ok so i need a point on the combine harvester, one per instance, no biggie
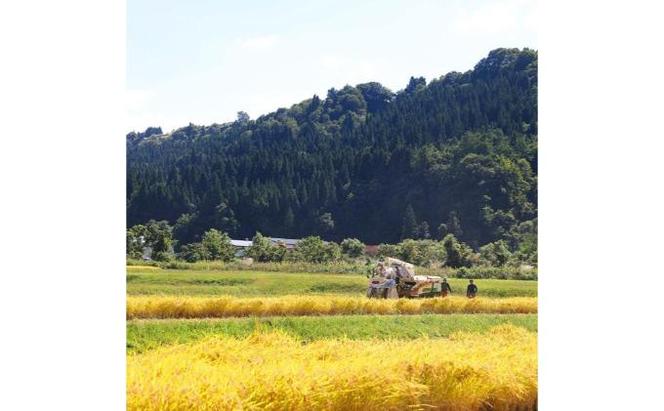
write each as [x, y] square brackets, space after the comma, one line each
[396, 279]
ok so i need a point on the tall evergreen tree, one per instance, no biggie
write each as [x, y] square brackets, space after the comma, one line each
[409, 227]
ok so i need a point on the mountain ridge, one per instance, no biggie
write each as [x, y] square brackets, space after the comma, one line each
[458, 154]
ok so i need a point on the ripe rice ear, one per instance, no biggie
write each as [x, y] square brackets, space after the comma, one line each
[220, 307]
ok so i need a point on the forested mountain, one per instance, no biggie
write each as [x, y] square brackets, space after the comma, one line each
[457, 155]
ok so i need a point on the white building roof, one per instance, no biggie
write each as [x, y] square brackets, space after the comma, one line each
[241, 243]
[248, 243]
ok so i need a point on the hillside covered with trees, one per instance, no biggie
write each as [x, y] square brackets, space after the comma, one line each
[455, 156]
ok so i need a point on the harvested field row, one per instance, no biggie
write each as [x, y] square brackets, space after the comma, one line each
[274, 371]
[197, 307]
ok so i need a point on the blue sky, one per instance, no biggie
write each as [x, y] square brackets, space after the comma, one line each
[203, 61]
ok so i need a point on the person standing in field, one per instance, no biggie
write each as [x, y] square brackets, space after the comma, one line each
[471, 291]
[445, 288]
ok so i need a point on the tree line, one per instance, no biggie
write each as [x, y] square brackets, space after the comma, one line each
[216, 246]
[456, 156]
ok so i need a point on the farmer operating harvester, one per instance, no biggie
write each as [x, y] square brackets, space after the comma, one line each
[396, 279]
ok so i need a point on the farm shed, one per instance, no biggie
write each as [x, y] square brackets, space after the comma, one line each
[240, 246]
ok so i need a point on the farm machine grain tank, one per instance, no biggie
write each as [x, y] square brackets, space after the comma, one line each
[394, 278]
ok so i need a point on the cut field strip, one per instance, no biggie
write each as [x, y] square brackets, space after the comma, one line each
[144, 335]
[150, 281]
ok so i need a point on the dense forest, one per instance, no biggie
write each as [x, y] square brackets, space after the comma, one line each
[457, 155]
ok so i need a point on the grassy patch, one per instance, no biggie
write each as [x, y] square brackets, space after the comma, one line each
[333, 288]
[143, 335]
[261, 283]
[132, 268]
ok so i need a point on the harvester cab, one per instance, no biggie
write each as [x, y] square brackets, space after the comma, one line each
[394, 278]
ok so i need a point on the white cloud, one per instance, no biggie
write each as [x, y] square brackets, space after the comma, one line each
[531, 19]
[142, 113]
[347, 70]
[496, 17]
[137, 99]
[259, 42]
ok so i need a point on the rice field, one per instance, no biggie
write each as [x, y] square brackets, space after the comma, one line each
[299, 341]
[274, 371]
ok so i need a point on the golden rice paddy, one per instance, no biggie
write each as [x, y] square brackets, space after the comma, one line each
[273, 371]
[218, 307]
